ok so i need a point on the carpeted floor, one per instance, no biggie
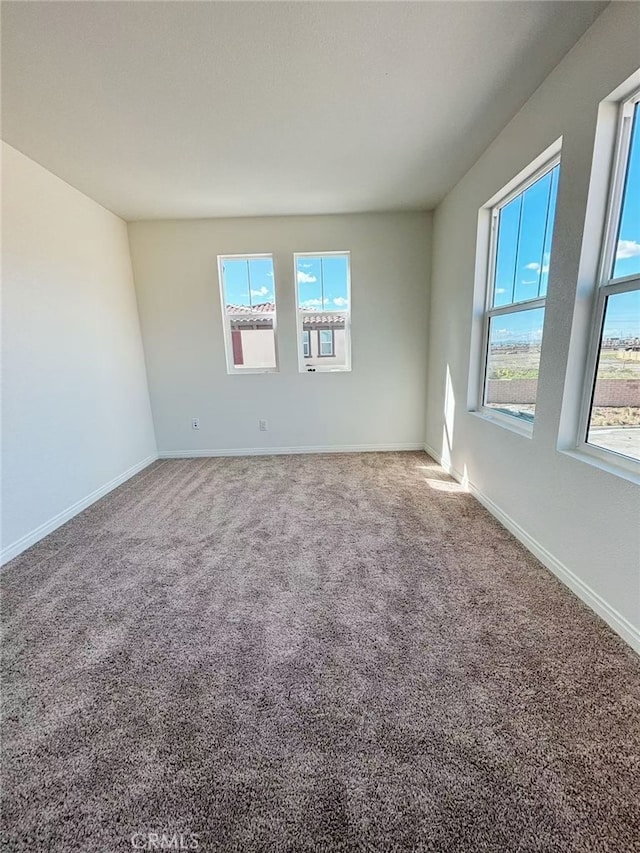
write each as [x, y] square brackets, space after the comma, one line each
[308, 653]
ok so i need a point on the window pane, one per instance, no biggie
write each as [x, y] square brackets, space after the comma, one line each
[309, 278]
[535, 205]
[513, 360]
[627, 259]
[551, 216]
[508, 224]
[250, 312]
[335, 269]
[614, 422]
[323, 282]
[525, 230]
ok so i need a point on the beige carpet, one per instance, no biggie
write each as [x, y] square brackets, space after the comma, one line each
[308, 653]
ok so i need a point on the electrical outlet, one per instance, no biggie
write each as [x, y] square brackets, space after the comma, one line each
[264, 426]
[195, 423]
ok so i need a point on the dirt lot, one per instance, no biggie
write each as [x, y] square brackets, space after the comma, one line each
[615, 416]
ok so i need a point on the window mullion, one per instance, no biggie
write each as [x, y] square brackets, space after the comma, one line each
[622, 285]
[515, 307]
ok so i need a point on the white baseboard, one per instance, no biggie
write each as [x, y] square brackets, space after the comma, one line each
[61, 518]
[278, 451]
[629, 633]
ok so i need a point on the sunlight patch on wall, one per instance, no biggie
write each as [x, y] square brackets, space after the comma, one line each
[449, 418]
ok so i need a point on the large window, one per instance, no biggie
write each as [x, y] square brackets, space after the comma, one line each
[518, 273]
[611, 419]
[323, 302]
[248, 312]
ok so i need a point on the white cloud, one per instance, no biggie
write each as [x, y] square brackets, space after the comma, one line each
[306, 266]
[311, 303]
[537, 268]
[627, 249]
[534, 281]
[501, 290]
[340, 301]
[264, 291]
[305, 278]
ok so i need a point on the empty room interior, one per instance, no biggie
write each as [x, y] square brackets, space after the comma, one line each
[320, 426]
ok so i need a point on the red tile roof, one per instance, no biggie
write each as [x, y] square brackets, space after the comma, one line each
[249, 313]
[262, 308]
[322, 319]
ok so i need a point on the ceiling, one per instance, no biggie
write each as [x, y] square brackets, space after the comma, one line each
[198, 109]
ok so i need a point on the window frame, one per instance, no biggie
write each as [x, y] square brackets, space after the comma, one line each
[323, 368]
[606, 285]
[536, 171]
[226, 321]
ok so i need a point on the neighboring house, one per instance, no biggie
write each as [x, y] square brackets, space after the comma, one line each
[323, 336]
[252, 336]
[323, 339]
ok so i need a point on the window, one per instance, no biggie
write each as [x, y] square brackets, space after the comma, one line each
[326, 343]
[611, 412]
[323, 303]
[248, 312]
[518, 273]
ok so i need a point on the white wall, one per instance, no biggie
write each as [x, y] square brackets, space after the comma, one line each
[380, 403]
[75, 406]
[582, 520]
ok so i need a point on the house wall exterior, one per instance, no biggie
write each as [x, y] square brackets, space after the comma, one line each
[257, 347]
[339, 349]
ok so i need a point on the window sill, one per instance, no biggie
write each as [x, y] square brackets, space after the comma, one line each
[514, 424]
[252, 371]
[323, 369]
[605, 460]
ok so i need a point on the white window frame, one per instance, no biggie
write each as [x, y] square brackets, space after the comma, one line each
[324, 368]
[306, 343]
[607, 286]
[501, 200]
[226, 319]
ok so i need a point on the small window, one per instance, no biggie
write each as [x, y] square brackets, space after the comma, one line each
[521, 236]
[323, 303]
[612, 399]
[326, 340]
[248, 312]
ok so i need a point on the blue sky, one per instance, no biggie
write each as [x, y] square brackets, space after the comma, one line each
[524, 249]
[623, 310]
[627, 260]
[524, 242]
[323, 282]
[248, 281]
[525, 231]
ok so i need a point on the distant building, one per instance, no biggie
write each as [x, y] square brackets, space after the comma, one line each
[323, 336]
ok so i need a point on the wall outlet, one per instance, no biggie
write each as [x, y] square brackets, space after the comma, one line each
[264, 426]
[195, 423]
